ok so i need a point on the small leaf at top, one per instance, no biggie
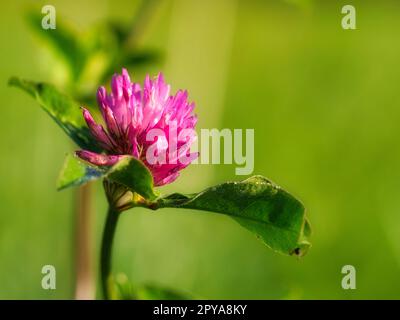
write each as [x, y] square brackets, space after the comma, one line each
[63, 109]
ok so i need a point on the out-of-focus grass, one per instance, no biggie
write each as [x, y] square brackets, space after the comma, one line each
[324, 106]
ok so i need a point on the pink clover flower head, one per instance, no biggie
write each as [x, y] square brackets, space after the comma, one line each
[147, 123]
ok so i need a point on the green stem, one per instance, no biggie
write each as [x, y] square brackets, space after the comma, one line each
[106, 251]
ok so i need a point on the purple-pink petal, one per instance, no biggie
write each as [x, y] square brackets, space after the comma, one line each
[98, 131]
[130, 112]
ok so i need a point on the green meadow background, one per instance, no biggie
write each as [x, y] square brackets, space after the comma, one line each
[325, 106]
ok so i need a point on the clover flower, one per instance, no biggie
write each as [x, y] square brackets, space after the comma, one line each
[149, 124]
[158, 129]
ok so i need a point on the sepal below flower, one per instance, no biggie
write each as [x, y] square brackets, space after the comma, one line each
[98, 159]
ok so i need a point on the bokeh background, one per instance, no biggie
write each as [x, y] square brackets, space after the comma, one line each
[324, 103]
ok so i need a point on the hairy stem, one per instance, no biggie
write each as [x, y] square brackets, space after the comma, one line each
[106, 251]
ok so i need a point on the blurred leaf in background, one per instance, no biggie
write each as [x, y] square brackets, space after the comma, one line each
[91, 57]
[125, 290]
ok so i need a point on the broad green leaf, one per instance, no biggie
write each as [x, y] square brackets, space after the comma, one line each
[75, 173]
[65, 42]
[257, 204]
[61, 108]
[133, 174]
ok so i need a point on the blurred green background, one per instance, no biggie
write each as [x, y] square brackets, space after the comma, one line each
[324, 103]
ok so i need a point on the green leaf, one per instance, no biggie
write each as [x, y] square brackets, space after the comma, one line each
[132, 60]
[155, 292]
[75, 173]
[65, 42]
[125, 290]
[136, 58]
[119, 30]
[64, 110]
[128, 172]
[262, 207]
[134, 175]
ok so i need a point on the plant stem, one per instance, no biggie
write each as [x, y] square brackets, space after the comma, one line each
[106, 251]
[85, 287]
